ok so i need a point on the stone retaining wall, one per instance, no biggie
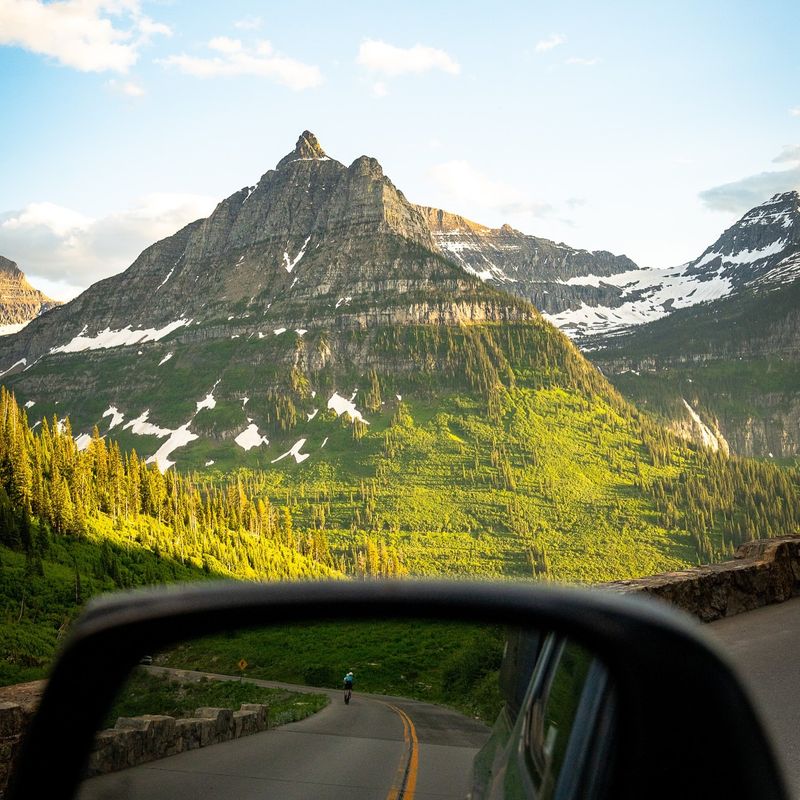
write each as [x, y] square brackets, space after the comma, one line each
[762, 572]
[137, 740]
[14, 720]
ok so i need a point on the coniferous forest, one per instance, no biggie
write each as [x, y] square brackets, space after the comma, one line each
[74, 523]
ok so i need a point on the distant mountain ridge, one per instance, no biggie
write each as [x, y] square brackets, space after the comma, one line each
[762, 249]
[736, 359]
[531, 267]
[19, 301]
[591, 295]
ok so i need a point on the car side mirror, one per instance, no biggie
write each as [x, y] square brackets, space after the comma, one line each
[605, 696]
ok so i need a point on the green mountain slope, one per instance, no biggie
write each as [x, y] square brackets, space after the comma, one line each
[735, 361]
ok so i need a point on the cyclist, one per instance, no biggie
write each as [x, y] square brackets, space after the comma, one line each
[348, 686]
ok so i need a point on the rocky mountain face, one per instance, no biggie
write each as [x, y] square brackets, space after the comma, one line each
[594, 295]
[313, 243]
[736, 359]
[318, 268]
[19, 301]
[539, 270]
[762, 248]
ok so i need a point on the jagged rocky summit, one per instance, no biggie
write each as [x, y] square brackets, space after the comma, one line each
[19, 301]
[313, 243]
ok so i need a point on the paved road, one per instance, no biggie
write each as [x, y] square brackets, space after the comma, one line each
[765, 646]
[370, 750]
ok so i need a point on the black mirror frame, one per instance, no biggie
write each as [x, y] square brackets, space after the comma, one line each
[687, 727]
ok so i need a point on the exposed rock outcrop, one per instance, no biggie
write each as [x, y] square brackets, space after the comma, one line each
[19, 301]
[531, 267]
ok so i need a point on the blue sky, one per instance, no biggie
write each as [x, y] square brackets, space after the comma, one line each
[630, 127]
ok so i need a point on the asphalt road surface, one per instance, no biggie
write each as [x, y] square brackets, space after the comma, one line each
[376, 748]
[765, 647]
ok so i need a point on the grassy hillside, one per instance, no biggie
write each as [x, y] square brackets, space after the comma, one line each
[483, 451]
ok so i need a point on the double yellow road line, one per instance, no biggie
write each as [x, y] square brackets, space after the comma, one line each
[404, 784]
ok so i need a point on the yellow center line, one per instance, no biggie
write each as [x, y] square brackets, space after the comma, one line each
[404, 785]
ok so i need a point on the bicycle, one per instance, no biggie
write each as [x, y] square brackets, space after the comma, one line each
[348, 693]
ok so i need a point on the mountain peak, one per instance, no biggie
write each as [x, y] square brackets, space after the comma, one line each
[8, 267]
[792, 196]
[307, 148]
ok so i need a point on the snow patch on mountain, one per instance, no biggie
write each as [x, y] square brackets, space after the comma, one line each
[180, 437]
[250, 437]
[14, 327]
[82, 441]
[706, 435]
[20, 363]
[653, 293]
[141, 427]
[290, 264]
[127, 336]
[744, 256]
[208, 401]
[116, 417]
[294, 451]
[341, 405]
[451, 243]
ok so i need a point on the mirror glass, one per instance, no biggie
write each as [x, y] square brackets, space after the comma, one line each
[391, 709]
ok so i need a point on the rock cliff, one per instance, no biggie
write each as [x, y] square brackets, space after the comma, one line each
[531, 267]
[19, 301]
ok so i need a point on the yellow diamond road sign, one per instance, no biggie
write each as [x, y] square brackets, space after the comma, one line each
[242, 665]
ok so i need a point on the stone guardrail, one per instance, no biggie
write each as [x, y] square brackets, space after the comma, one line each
[137, 740]
[762, 572]
[14, 720]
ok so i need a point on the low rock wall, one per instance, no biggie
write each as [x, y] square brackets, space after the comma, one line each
[137, 740]
[762, 572]
[14, 720]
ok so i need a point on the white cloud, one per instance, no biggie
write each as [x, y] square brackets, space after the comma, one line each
[379, 89]
[386, 59]
[582, 62]
[789, 155]
[465, 187]
[233, 58]
[248, 23]
[65, 251]
[795, 112]
[126, 87]
[553, 40]
[223, 44]
[742, 195]
[88, 35]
